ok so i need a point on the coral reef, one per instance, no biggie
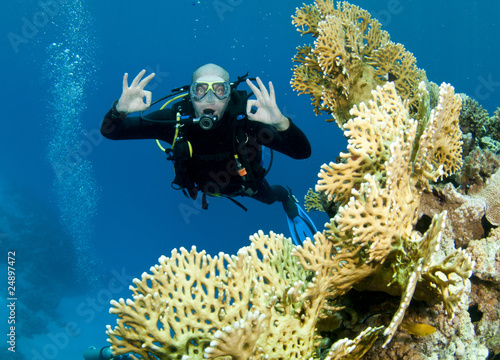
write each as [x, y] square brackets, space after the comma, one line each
[486, 251]
[318, 201]
[481, 145]
[390, 162]
[484, 303]
[479, 129]
[397, 227]
[473, 119]
[465, 213]
[263, 303]
[350, 57]
[468, 213]
[491, 193]
[494, 126]
[477, 167]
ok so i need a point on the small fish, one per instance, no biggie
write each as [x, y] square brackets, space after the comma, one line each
[418, 329]
[389, 77]
[376, 313]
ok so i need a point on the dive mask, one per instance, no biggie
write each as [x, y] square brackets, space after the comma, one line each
[199, 89]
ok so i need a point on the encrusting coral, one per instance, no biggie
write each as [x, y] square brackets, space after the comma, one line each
[477, 167]
[467, 213]
[271, 299]
[491, 194]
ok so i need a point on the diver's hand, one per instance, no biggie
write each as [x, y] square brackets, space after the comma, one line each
[267, 111]
[132, 98]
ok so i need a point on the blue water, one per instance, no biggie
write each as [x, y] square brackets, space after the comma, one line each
[85, 215]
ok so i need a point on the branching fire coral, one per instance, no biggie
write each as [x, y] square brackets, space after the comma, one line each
[242, 306]
[350, 57]
[390, 161]
[386, 123]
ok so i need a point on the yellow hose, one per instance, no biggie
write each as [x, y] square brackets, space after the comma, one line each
[178, 118]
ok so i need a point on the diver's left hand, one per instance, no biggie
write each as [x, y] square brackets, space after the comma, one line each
[267, 110]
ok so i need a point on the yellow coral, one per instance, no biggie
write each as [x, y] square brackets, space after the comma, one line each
[238, 339]
[331, 56]
[432, 147]
[439, 150]
[313, 201]
[379, 187]
[192, 304]
[306, 19]
[334, 263]
[370, 134]
[307, 78]
[355, 348]
[351, 56]
[163, 319]
[423, 249]
[393, 59]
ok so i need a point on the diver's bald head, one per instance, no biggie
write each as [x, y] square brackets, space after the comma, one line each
[210, 69]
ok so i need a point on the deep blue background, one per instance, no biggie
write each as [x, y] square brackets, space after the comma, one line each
[138, 217]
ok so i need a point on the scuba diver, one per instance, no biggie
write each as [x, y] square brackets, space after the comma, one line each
[216, 135]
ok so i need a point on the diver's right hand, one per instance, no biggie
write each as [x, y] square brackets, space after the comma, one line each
[132, 98]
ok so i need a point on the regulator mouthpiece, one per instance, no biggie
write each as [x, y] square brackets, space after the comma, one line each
[207, 120]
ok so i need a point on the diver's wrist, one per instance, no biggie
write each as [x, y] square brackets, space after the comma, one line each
[117, 113]
[283, 125]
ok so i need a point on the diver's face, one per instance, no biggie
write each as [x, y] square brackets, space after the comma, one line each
[210, 101]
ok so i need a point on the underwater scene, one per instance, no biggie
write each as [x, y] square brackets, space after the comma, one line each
[297, 180]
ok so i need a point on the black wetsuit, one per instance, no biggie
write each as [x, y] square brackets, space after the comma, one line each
[211, 169]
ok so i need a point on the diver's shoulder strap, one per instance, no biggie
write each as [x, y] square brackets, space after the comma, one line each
[184, 106]
[238, 105]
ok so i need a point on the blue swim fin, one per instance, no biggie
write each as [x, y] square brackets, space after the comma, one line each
[300, 224]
